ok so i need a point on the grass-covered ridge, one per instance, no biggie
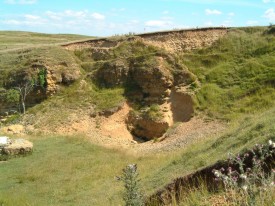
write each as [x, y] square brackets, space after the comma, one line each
[20, 40]
[20, 51]
[237, 73]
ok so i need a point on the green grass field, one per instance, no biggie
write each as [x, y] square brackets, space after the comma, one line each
[11, 40]
[72, 171]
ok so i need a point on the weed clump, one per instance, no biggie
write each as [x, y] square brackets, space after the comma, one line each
[248, 185]
[132, 195]
[153, 113]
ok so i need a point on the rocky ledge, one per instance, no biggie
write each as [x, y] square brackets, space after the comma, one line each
[15, 146]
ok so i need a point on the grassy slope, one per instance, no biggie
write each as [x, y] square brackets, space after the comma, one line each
[51, 55]
[56, 110]
[68, 171]
[237, 73]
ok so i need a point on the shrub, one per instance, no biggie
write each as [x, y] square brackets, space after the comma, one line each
[153, 112]
[41, 77]
[12, 96]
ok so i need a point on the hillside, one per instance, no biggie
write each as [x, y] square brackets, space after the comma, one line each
[14, 40]
[172, 102]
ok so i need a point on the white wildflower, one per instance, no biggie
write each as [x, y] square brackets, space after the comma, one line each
[217, 174]
[243, 176]
[244, 187]
[270, 142]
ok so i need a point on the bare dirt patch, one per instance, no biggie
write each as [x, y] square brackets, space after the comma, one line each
[112, 132]
[181, 135]
[114, 126]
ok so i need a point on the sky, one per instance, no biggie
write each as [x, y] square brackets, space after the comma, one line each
[113, 17]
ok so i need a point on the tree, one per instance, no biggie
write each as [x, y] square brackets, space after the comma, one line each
[27, 87]
[24, 90]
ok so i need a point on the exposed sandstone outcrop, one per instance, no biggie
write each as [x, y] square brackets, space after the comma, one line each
[182, 105]
[146, 83]
[153, 79]
[17, 147]
[143, 81]
[173, 41]
[94, 43]
[145, 127]
[179, 107]
[185, 40]
[47, 67]
[113, 74]
[151, 82]
[57, 76]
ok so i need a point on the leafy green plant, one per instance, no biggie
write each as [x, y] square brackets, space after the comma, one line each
[132, 195]
[12, 96]
[42, 75]
[13, 119]
[154, 112]
[19, 93]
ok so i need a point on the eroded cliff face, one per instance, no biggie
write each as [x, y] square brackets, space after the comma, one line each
[158, 91]
[187, 40]
[161, 83]
[58, 76]
[172, 41]
[54, 77]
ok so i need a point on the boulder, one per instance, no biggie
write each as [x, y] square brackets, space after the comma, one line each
[111, 111]
[146, 128]
[17, 147]
[4, 141]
